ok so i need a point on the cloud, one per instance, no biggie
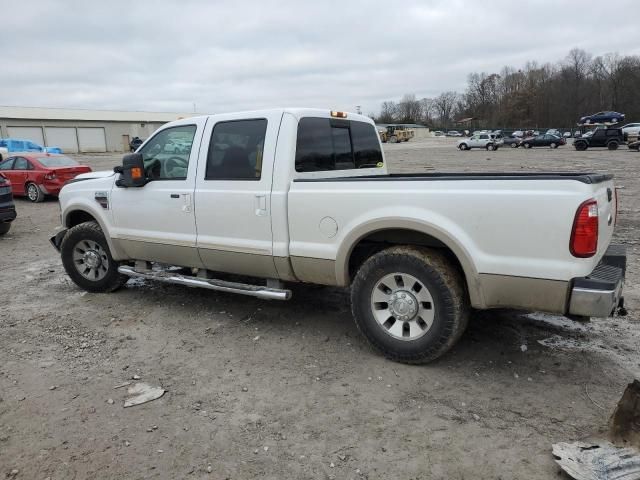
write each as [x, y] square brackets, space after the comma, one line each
[238, 55]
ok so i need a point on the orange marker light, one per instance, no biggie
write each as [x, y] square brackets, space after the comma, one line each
[136, 172]
[338, 114]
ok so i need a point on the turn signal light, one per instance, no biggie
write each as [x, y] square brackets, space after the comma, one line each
[338, 114]
[136, 172]
[584, 235]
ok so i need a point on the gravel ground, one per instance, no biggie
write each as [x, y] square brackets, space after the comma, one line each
[291, 390]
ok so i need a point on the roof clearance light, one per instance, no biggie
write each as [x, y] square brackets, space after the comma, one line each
[338, 114]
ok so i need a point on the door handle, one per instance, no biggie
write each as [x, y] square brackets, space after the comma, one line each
[261, 205]
[175, 195]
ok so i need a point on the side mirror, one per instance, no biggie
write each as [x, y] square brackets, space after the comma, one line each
[132, 171]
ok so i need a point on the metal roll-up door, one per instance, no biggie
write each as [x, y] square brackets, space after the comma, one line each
[92, 139]
[63, 137]
[27, 133]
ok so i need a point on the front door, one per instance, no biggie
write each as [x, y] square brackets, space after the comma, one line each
[19, 175]
[157, 221]
[233, 195]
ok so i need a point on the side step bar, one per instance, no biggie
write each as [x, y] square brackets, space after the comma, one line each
[219, 285]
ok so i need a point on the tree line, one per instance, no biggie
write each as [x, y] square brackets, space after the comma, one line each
[549, 95]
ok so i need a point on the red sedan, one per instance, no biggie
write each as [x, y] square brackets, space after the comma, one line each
[38, 174]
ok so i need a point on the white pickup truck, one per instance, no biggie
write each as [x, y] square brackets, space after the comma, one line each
[303, 195]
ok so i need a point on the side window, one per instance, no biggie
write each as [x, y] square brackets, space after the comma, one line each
[21, 164]
[327, 144]
[484, 137]
[236, 149]
[166, 155]
[7, 164]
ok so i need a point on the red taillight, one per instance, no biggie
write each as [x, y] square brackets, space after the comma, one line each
[50, 176]
[584, 235]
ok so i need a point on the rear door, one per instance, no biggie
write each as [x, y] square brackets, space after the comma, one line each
[19, 175]
[233, 194]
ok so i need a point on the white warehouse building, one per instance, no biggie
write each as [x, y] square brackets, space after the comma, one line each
[76, 130]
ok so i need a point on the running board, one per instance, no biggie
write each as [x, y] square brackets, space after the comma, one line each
[219, 285]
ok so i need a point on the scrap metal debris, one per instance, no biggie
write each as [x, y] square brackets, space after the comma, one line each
[597, 461]
[142, 393]
[602, 460]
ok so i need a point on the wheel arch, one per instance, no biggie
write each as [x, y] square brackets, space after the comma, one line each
[81, 214]
[370, 239]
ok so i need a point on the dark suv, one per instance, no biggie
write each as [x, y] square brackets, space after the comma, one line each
[7, 209]
[602, 137]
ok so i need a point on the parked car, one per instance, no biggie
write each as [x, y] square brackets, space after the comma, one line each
[135, 143]
[489, 141]
[566, 134]
[35, 175]
[7, 208]
[554, 131]
[438, 133]
[513, 142]
[630, 129]
[453, 133]
[18, 145]
[600, 137]
[418, 251]
[518, 133]
[553, 141]
[603, 117]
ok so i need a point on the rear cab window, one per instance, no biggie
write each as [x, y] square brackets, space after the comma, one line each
[327, 144]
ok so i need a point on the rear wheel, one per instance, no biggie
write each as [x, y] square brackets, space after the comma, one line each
[491, 147]
[514, 145]
[34, 193]
[4, 228]
[410, 303]
[527, 145]
[87, 259]
[612, 145]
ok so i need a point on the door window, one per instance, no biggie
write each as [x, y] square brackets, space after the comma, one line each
[166, 155]
[21, 164]
[484, 137]
[328, 144]
[236, 150]
[7, 164]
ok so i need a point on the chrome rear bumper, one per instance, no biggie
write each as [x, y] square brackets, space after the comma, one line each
[600, 293]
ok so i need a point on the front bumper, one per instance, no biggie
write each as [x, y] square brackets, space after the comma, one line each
[56, 240]
[600, 293]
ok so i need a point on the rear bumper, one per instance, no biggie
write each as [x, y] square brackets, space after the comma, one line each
[7, 214]
[599, 293]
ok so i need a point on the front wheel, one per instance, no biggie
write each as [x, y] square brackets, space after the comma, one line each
[463, 146]
[527, 145]
[410, 303]
[514, 145]
[87, 259]
[580, 146]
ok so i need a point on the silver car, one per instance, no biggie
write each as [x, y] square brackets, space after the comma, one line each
[488, 141]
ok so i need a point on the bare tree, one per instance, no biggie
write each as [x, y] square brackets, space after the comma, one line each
[444, 105]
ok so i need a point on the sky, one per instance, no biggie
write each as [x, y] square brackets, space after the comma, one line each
[227, 56]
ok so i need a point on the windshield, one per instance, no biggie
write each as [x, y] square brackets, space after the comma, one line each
[57, 161]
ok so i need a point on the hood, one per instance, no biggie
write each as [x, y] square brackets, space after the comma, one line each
[89, 175]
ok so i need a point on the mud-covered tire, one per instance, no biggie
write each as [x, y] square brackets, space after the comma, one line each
[5, 227]
[77, 239]
[34, 193]
[443, 281]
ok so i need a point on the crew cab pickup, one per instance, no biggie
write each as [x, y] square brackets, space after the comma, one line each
[303, 195]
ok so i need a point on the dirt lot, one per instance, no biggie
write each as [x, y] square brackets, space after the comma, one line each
[291, 390]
